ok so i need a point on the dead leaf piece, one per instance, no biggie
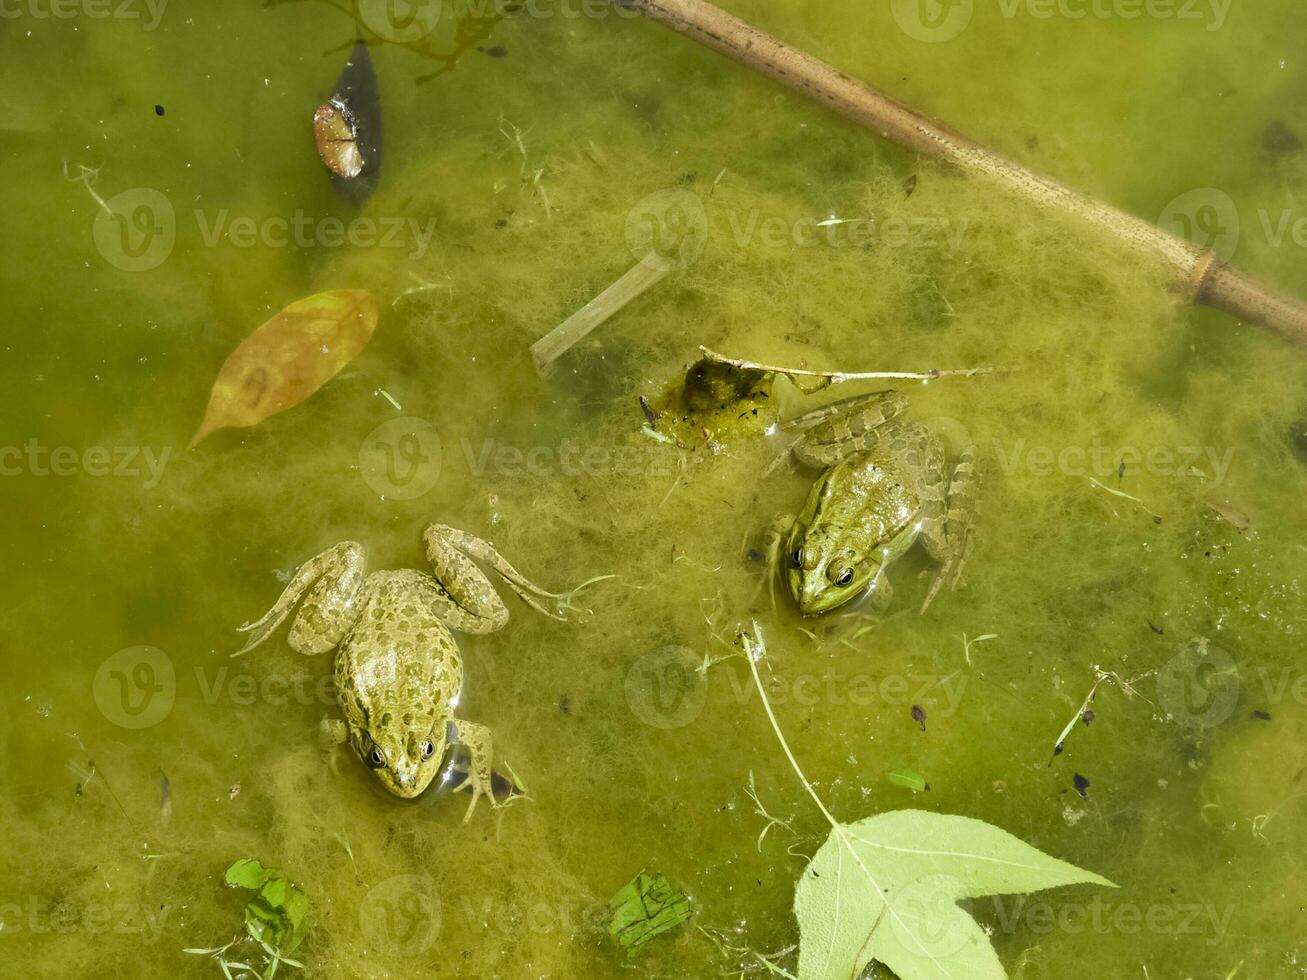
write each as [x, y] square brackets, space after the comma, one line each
[289, 358]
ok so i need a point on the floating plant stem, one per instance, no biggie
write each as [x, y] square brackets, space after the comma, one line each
[649, 271]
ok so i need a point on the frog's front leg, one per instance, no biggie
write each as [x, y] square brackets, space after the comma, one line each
[328, 611]
[478, 776]
[472, 604]
[947, 528]
[778, 538]
[841, 428]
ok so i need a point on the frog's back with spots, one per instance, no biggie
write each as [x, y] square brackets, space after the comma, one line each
[399, 665]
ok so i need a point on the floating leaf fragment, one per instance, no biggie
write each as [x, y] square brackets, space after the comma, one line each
[1232, 515]
[644, 908]
[290, 357]
[908, 780]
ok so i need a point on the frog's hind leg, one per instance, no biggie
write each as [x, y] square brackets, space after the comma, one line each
[480, 609]
[333, 581]
[948, 528]
[841, 428]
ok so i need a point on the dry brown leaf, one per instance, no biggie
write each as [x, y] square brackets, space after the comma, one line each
[290, 357]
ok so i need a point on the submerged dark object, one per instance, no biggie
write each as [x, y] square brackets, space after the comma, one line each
[712, 386]
[347, 129]
[1298, 439]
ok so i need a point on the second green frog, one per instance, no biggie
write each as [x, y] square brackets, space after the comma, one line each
[886, 483]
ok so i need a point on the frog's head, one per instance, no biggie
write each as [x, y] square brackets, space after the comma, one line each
[824, 575]
[404, 751]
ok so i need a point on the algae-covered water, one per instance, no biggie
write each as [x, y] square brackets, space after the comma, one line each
[1144, 468]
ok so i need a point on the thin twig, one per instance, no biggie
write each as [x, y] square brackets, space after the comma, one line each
[839, 377]
[1104, 677]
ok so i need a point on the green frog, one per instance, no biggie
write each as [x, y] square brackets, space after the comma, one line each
[885, 484]
[398, 670]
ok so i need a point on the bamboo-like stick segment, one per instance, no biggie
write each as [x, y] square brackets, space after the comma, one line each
[1196, 274]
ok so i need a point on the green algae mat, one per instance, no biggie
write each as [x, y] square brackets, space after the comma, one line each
[1090, 758]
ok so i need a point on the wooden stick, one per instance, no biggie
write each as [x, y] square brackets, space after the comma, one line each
[553, 345]
[1196, 274]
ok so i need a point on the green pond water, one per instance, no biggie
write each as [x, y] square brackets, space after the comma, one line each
[1142, 512]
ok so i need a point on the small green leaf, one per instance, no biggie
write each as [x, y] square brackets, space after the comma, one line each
[908, 780]
[644, 908]
[279, 913]
[247, 873]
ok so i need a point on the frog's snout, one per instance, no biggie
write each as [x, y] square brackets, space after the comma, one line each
[406, 785]
[811, 591]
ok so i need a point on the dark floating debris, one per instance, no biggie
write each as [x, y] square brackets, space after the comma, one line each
[1261, 715]
[158, 110]
[1279, 140]
[1081, 784]
[347, 128]
[919, 716]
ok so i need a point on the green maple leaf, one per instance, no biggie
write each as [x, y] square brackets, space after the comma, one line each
[886, 889]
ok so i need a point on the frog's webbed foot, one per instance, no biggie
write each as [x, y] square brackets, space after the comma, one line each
[949, 539]
[475, 773]
[476, 607]
[332, 733]
[841, 428]
[329, 608]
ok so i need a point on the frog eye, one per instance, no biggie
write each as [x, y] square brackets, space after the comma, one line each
[844, 577]
[427, 749]
[377, 758]
[796, 557]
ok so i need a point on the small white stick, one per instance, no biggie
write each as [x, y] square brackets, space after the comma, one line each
[647, 272]
[839, 377]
